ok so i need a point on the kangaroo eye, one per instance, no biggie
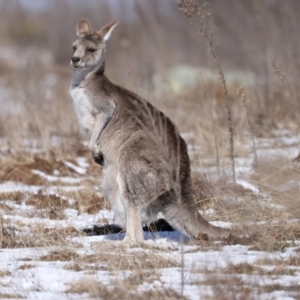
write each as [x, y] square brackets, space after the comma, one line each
[74, 48]
[91, 50]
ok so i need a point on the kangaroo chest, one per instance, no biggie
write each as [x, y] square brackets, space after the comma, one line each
[83, 107]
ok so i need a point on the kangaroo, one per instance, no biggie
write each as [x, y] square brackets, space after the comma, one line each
[145, 161]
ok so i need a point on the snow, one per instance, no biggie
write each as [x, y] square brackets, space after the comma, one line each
[79, 170]
[10, 186]
[70, 180]
[248, 186]
[82, 162]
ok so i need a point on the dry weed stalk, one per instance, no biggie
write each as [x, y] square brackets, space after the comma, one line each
[217, 150]
[205, 92]
[241, 92]
[281, 75]
[201, 17]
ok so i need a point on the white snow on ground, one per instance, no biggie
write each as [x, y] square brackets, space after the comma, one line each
[10, 186]
[82, 162]
[79, 170]
[248, 186]
[47, 280]
[56, 178]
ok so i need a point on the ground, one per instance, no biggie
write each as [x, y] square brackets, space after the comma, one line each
[46, 203]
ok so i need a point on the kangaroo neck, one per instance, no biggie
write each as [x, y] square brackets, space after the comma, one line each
[79, 75]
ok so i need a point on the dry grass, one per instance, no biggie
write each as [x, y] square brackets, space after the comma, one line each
[143, 268]
[4, 273]
[228, 287]
[250, 269]
[280, 263]
[94, 203]
[115, 260]
[20, 174]
[16, 197]
[26, 266]
[88, 200]
[232, 283]
[120, 289]
[293, 289]
[15, 170]
[13, 236]
[10, 296]
[60, 255]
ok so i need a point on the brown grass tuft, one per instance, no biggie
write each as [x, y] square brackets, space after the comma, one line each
[53, 204]
[230, 287]
[126, 289]
[4, 273]
[10, 296]
[127, 261]
[21, 174]
[15, 237]
[26, 266]
[60, 255]
[16, 197]
[14, 170]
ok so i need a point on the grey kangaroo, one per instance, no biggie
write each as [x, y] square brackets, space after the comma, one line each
[145, 160]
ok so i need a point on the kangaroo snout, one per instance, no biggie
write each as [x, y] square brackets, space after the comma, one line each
[75, 60]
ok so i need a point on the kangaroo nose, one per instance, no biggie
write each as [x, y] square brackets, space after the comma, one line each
[75, 59]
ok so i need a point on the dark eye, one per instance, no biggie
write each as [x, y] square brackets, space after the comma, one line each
[91, 50]
[74, 48]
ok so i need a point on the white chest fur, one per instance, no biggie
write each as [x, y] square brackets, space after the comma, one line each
[83, 108]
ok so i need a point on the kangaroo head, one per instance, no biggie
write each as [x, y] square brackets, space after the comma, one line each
[89, 48]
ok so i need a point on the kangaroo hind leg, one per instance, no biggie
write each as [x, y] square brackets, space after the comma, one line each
[134, 231]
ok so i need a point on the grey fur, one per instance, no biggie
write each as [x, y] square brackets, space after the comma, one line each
[147, 167]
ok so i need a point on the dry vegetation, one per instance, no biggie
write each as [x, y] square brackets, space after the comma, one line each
[120, 289]
[240, 108]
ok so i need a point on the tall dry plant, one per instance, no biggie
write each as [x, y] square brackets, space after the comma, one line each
[201, 17]
[281, 75]
[241, 92]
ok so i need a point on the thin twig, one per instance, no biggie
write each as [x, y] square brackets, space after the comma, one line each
[241, 92]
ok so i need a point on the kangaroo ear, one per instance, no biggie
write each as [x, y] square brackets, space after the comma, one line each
[83, 27]
[106, 31]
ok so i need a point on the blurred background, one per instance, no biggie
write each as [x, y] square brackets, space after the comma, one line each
[157, 53]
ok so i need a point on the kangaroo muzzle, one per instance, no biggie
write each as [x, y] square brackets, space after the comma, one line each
[75, 60]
